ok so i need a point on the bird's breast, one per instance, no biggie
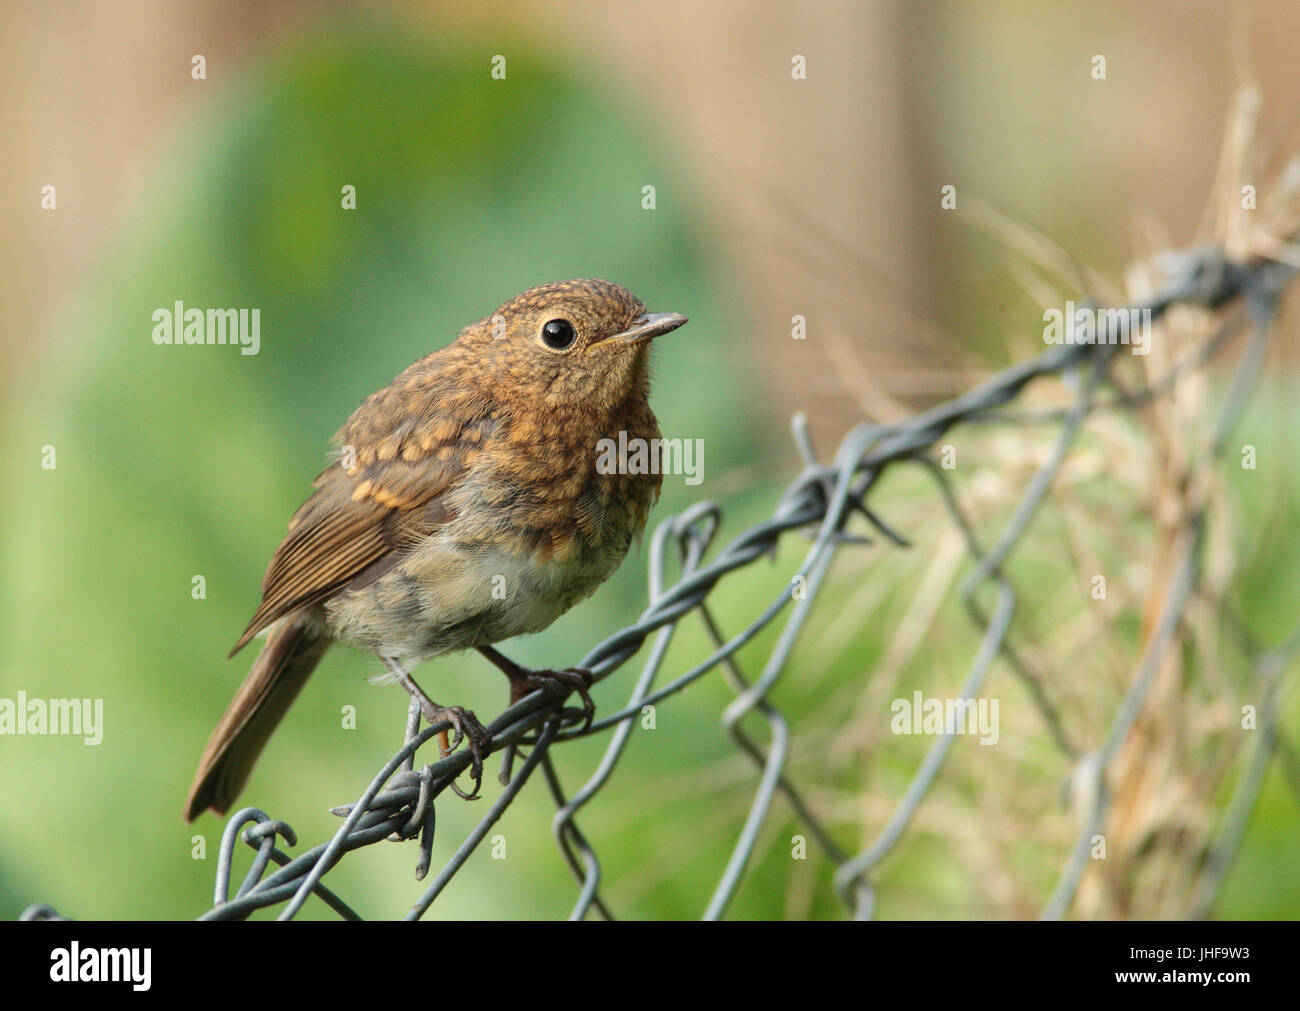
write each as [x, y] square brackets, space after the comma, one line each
[535, 525]
[451, 593]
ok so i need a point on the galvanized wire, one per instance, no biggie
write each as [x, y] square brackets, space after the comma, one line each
[400, 802]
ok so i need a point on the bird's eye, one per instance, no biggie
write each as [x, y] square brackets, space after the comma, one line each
[558, 334]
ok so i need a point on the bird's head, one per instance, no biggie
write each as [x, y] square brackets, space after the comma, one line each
[571, 343]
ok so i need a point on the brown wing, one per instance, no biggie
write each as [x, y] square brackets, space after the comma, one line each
[405, 460]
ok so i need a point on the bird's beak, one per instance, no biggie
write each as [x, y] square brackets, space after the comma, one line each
[646, 327]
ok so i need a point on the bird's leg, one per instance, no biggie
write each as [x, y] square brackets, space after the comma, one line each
[413, 729]
[465, 723]
[556, 683]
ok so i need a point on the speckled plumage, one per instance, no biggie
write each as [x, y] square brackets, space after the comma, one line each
[465, 507]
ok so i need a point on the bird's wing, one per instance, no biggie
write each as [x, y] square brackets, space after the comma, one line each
[404, 459]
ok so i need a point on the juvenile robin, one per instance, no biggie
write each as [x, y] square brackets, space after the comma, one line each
[466, 507]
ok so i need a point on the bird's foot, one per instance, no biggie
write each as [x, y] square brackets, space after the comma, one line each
[467, 728]
[557, 684]
[465, 723]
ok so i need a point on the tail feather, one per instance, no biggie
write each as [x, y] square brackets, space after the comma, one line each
[290, 654]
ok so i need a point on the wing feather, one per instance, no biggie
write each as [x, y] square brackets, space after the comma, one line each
[390, 498]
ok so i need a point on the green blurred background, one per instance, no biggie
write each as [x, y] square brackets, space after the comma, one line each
[175, 461]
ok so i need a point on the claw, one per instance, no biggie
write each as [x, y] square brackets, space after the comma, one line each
[467, 728]
[557, 684]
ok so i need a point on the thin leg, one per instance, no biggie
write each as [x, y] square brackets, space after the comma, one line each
[556, 683]
[465, 723]
[413, 728]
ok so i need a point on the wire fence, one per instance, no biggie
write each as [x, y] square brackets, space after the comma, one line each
[400, 802]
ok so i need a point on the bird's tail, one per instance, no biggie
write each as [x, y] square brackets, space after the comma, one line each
[289, 655]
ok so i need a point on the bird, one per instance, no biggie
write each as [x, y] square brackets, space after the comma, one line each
[467, 504]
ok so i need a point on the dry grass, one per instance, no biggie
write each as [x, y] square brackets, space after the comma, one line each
[1123, 506]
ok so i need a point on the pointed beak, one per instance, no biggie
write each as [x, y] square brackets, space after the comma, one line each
[647, 327]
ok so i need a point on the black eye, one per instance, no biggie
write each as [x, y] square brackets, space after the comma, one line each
[558, 334]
